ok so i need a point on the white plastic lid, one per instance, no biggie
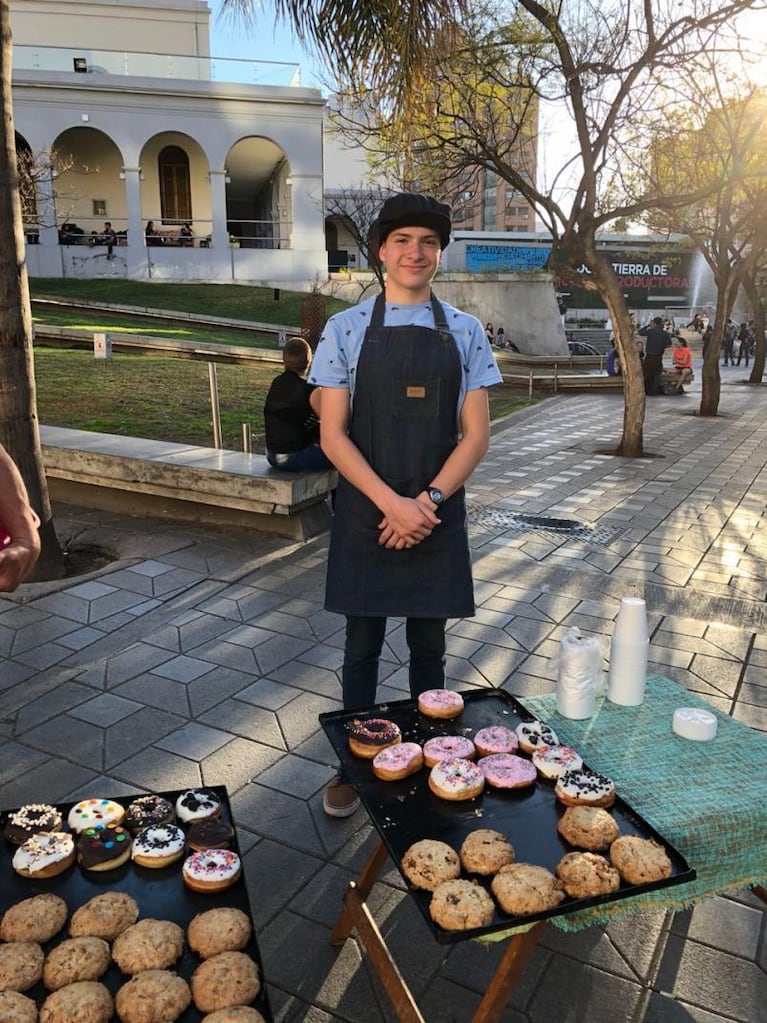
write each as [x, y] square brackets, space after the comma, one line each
[696, 724]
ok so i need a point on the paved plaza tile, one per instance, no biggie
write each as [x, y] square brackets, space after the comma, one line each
[205, 658]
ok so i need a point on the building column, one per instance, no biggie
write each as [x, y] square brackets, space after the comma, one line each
[307, 215]
[219, 233]
[136, 257]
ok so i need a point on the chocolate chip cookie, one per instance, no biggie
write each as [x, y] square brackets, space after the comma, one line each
[428, 863]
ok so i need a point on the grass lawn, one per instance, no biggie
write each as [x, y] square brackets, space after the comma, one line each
[163, 399]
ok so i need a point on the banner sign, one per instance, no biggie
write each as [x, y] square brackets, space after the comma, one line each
[648, 279]
[506, 258]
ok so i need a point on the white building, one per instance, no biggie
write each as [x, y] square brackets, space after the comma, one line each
[125, 118]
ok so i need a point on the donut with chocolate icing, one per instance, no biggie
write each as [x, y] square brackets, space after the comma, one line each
[215, 833]
[197, 805]
[90, 813]
[147, 811]
[369, 736]
[45, 855]
[103, 848]
[31, 820]
[211, 870]
[446, 747]
[158, 846]
[396, 762]
[440, 703]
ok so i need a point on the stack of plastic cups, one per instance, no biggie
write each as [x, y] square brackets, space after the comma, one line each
[629, 653]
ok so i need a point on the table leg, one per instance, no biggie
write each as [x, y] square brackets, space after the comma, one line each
[364, 883]
[359, 916]
[507, 975]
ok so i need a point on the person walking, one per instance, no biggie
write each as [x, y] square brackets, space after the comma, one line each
[404, 419]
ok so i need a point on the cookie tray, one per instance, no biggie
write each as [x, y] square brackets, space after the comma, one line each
[406, 811]
[160, 894]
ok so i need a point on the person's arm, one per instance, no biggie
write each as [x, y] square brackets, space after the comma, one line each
[407, 520]
[20, 523]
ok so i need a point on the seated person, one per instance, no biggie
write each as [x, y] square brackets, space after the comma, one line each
[612, 365]
[151, 236]
[186, 235]
[681, 357]
[500, 338]
[291, 426]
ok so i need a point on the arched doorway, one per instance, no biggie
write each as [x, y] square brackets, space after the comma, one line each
[175, 189]
[258, 201]
[88, 185]
[29, 168]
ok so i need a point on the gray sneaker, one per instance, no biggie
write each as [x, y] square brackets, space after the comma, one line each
[339, 800]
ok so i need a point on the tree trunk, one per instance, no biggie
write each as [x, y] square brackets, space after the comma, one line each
[712, 381]
[19, 432]
[631, 443]
[757, 308]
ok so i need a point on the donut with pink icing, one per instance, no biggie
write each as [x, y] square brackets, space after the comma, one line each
[507, 771]
[553, 761]
[456, 779]
[211, 870]
[495, 739]
[440, 703]
[446, 747]
[398, 761]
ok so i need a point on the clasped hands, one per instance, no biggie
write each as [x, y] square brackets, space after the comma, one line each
[409, 521]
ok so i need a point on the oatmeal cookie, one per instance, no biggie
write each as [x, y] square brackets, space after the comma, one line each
[230, 978]
[218, 930]
[523, 888]
[104, 916]
[588, 827]
[148, 945]
[484, 851]
[640, 860]
[75, 959]
[17, 1008]
[586, 873]
[84, 1002]
[21, 965]
[154, 996]
[235, 1014]
[461, 906]
[428, 863]
[35, 919]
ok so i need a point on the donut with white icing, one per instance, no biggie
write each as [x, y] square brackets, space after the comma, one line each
[211, 870]
[368, 736]
[91, 813]
[456, 779]
[447, 747]
[396, 762]
[495, 739]
[158, 846]
[197, 805]
[553, 761]
[507, 771]
[532, 734]
[45, 855]
[583, 787]
[440, 703]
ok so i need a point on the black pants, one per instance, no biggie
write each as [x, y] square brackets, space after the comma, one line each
[652, 367]
[364, 640]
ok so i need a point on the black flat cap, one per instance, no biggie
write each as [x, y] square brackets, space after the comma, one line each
[409, 209]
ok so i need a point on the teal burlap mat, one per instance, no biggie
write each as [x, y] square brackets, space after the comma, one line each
[708, 799]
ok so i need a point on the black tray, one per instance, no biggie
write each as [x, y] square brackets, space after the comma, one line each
[406, 811]
[160, 894]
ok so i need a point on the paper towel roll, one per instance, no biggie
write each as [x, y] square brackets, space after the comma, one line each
[580, 663]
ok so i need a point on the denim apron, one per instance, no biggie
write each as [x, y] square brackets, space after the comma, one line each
[404, 422]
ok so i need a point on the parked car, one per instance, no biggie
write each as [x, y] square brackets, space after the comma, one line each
[582, 348]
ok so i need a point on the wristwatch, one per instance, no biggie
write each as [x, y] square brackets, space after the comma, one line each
[435, 495]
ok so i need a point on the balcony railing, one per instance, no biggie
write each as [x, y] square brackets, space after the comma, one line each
[156, 65]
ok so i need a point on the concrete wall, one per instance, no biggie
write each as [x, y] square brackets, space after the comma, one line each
[523, 304]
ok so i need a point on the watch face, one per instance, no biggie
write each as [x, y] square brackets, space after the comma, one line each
[436, 495]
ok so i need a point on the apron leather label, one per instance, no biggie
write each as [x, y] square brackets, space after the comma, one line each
[416, 392]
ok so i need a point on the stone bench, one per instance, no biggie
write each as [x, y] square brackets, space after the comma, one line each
[183, 483]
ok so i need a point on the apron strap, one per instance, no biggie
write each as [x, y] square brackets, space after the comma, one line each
[438, 312]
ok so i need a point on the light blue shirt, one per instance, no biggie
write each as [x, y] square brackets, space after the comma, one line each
[338, 351]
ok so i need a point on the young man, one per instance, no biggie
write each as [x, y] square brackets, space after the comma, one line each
[405, 422]
[657, 340]
[291, 427]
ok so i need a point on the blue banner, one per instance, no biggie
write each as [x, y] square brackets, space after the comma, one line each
[506, 258]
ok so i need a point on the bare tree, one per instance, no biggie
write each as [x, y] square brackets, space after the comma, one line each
[357, 209]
